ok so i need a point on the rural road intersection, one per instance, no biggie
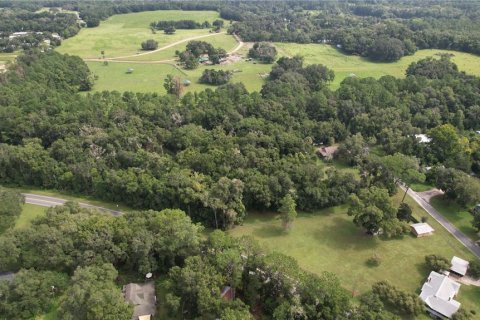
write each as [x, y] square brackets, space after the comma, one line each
[45, 201]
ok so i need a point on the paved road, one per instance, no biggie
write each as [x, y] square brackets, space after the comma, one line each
[45, 201]
[466, 241]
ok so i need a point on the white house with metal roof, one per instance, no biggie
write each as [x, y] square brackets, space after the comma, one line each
[459, 266]
[438, 293]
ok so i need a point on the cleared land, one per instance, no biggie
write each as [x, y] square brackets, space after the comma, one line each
[252, 75]
[347, 65]
[328, 240]
[29, 213]
[150, 77]
[122, 34]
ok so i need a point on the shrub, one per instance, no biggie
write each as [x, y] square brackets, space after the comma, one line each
[474, 269]
[398, 300]
[215, 77]
[437, 263]
[149, 45]
[374, 261]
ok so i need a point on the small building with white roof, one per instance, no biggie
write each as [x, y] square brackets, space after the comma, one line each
[438, 293]
[423, 138]
[422, 229]
[459, 266]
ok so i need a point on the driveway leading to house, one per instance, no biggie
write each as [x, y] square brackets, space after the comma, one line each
[45, 201]
[460, 236]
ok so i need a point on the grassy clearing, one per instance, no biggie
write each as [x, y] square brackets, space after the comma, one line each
[114, 78]
[150, 77]
[122, 34]
[224, 41]
[421, 187]
[456, 214]
[329, 241]
[345, 65]
[29, 213]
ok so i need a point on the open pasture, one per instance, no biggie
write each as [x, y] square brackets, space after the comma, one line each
[348, 65]
[121, 35]
[329, 241]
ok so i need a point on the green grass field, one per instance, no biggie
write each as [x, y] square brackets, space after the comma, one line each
[456, 214]
[329, 241]
[122, 34]
[345, 65]
[29, 213]
[150, 77]
[222, 40]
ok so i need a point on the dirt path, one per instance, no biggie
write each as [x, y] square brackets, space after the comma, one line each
[166, 61]
[159, 49]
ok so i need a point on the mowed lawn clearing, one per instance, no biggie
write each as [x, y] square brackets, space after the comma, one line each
[123, 34]
[150, 77]
[456, 214]
[222, 40]
[348, 65]
[329, 241]
[29, 213]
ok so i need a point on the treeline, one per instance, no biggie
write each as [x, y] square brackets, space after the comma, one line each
[382, 32]
[71, 256]
[180, 24]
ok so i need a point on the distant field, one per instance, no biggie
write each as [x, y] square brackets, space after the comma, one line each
[347, 65]
[150, 77]
[223, 41]
[343, 65]
[122, 34]
[329, 241]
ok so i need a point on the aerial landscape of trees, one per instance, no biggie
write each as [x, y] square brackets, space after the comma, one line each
[192, 167]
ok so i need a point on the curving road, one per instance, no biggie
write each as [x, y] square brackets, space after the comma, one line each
[460, 236]
[45, 201]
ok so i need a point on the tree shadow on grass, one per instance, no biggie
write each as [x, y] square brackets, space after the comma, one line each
[269, 231]
[342, 234]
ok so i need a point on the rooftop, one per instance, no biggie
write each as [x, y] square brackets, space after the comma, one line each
[422, 228]
[459, 265]
[438, 293]
[142, 297]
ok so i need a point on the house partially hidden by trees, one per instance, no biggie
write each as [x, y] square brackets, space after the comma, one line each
[142, 297]
[459, 266]
[327, 153]
[438, 293]
[422, 229]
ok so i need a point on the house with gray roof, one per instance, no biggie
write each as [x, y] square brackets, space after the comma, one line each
[142, 297]
[438, 293]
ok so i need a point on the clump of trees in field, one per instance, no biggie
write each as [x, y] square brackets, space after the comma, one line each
[263, 52]
[197, 49]
[215, 77]
[149, 45]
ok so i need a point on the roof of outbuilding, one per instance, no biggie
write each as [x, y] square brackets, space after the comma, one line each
[459, 265]
[422, 228]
